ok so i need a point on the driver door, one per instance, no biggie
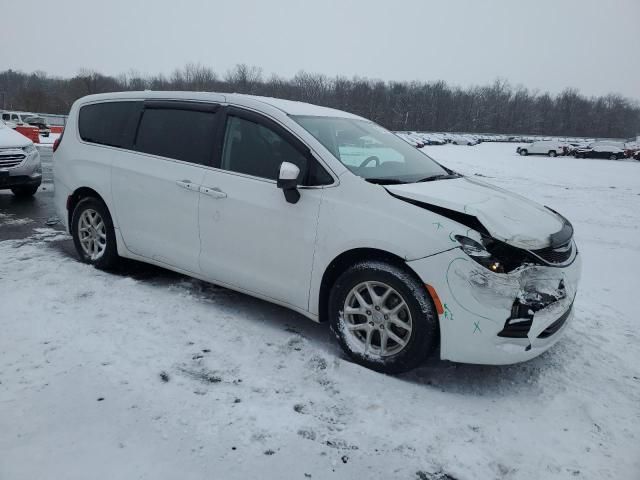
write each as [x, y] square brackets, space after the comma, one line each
[252, 239]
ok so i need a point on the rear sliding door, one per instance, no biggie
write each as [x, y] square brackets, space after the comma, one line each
[155, 187]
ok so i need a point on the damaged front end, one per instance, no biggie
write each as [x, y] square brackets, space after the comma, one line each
[503, 303]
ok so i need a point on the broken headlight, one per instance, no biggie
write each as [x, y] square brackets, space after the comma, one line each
[480, 254]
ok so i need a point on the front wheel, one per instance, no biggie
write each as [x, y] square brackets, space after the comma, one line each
[552, 153]
[93, 234]
[524, 152]
[383, 317]
[613, 157]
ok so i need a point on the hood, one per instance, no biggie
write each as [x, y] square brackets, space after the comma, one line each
[506, 216]
[11, 139]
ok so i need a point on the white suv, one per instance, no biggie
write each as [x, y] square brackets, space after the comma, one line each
[551, 148]
[20, 167]
[323, 212]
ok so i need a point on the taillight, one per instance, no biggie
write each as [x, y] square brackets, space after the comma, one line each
[56, 143]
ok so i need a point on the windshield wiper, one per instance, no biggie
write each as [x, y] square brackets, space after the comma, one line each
[384, 181]
[443, 176]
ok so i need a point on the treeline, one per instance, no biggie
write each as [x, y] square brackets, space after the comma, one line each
[425, 106]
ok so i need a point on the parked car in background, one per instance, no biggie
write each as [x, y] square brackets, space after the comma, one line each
[409, 139]
[463, 140]
[323, 212]
[15, 118]
[551, 148]
[41, 123]
[20, 168]
[600, 150]
[636, 156]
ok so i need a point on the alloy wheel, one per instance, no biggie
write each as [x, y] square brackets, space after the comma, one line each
[377, 319]
[92, 233]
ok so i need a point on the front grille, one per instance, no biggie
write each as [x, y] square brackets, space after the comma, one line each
[11, 160]
[555, 255]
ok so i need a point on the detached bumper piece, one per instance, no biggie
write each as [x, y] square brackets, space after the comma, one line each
[519, 324]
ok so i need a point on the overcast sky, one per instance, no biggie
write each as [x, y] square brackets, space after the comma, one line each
[593, 45]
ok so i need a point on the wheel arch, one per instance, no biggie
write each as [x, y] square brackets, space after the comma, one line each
[346, 259]
[79, 194]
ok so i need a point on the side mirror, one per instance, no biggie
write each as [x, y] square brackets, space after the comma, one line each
[288, 181]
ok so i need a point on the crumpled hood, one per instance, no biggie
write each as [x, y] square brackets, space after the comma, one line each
[506, 216]
[12, 139]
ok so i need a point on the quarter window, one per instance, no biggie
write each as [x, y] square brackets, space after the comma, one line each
[111, 123]
[186, 135]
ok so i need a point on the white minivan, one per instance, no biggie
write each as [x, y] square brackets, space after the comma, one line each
[323, 212]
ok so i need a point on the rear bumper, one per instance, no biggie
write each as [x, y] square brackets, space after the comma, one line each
[486, 318]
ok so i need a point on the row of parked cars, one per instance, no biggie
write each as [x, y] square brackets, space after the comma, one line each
[420, 139]
[16, 119]
[610, 149]
[580, 148]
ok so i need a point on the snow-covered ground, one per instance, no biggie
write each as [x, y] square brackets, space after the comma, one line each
[50, 140]
[147, 374]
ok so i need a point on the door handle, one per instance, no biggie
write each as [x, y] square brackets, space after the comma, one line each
[214, 192]
[187, 184]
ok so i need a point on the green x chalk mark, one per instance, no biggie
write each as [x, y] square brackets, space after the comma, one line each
[438, 225]
[447, 312]
[477, 327]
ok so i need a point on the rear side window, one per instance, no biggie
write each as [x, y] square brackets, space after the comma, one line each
[113, 123]
[186, 135]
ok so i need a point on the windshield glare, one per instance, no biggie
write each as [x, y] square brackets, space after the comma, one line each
[370, 151]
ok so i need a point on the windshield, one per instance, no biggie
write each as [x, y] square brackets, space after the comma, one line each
[370, 151]
[34, 120]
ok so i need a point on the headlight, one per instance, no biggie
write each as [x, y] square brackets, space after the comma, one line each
[480, 254]
[29, 149]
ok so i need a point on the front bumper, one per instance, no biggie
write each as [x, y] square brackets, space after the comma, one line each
[27, 173]
[483, 319]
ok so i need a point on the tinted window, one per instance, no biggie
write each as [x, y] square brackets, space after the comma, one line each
[5, 116]
[257, 150]
[186, 135]
[111, 123]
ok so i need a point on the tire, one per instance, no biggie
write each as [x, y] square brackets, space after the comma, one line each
[105, 255]
[552, 153]
[524, 152]
[418, 312]
[613, 157]
[25, 192]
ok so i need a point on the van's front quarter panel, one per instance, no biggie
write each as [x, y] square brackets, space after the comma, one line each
[358, 214]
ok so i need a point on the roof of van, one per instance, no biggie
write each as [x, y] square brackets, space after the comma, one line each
[289, 107]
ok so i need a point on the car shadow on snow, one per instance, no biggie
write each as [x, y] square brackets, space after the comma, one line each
[245, 306]
[488, 380]
[467, 379]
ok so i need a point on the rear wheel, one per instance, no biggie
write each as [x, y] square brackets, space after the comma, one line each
[613, 157]
[524, 152]
[552, 153]
[383, 317]
[24, 192]
[93, 234]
